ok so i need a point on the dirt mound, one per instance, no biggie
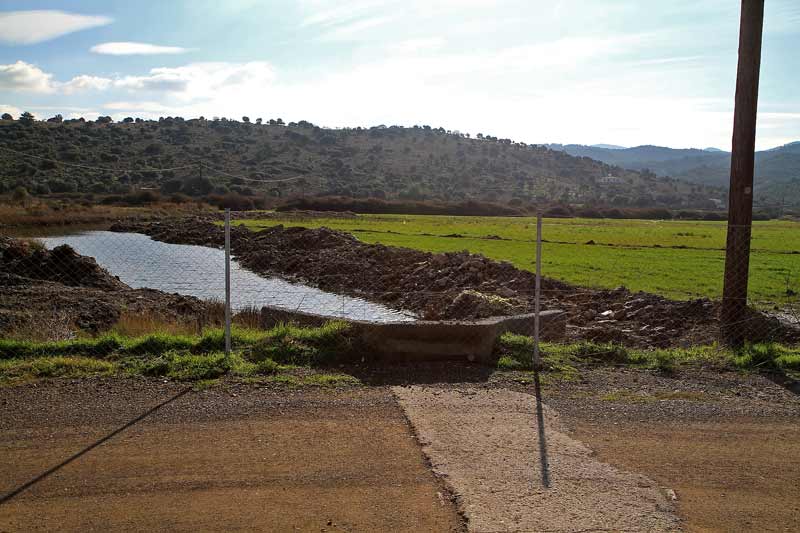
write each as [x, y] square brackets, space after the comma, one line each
[457, 285]
[60, 291]
[62, 265]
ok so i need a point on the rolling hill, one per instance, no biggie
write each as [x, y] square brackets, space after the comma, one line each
[198, 157]
[777, 173]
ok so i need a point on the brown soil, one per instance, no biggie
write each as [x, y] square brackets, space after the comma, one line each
[60, 291]
[726, 443]
[214, 461]
[457, 285]
[732, 475]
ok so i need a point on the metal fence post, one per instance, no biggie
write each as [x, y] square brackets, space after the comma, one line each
[227, 283]
[537, 360]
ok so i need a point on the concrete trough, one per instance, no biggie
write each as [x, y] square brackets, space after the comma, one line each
[427, 340]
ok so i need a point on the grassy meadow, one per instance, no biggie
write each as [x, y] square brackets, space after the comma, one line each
[678, 259]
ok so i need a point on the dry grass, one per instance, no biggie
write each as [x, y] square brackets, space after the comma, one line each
[57, 214]
[55, 327]
[145, 323]
[249, 317]
[139, 324]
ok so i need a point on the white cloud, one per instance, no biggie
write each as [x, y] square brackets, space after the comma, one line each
[36, 26]
[85, 83]
[15, 111]
[88, 115]
[21, 76]
[24, 77]
[129, 48]
[201, 80]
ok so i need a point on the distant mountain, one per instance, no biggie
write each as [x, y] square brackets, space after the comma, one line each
[777, 173]
[609, 146]
[712, 149]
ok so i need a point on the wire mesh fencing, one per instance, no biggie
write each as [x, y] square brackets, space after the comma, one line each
[638, 284]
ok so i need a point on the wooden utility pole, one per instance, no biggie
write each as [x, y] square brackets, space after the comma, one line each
[733, 315]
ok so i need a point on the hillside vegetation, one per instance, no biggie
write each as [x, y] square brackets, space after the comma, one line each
[220, 156]
[777, 172]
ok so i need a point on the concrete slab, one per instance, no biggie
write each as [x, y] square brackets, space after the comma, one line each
[427, 340]
[514, 469]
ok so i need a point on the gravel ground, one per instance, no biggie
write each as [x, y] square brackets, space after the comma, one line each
[513, 469]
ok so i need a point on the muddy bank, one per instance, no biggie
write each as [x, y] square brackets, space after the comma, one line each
[55, 293]
[455, 285]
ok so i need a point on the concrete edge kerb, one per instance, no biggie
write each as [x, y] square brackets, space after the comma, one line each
[431, 340]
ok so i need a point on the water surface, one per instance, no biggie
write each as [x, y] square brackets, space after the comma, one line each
[140, 261]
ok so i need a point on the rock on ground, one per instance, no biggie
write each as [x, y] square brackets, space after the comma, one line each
[486, 445]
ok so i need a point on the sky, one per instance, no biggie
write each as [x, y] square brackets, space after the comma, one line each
[626, 72]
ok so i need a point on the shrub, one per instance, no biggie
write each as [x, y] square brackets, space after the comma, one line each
[378, 206]
[233, 201]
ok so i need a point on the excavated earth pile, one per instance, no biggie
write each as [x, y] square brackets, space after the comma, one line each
[62, 291]
[456, 285]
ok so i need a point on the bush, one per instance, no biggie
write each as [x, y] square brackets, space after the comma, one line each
[236, 202]
[141, 198]
[378, 206]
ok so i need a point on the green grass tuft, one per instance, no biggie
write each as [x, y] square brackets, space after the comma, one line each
[19, 370]
[516, 351]
[767, 357]
[183, 357]
[304, 346]
[158, 343]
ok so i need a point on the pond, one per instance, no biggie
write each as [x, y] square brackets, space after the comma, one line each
[140, 261]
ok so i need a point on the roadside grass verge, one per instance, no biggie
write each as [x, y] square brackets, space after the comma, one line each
[299, 356]
[284, 343]
[285, 354]
[14, 371]
[516, 352]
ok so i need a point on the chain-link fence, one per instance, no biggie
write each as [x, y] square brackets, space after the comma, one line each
[638, 285]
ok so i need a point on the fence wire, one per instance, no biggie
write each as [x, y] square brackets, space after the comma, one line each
[159, 289]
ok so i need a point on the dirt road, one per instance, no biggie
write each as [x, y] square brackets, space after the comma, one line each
[728, 444]
[261, 460]
[740, 475]
[242, 457]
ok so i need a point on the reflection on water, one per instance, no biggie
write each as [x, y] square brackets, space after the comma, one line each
[199, 271]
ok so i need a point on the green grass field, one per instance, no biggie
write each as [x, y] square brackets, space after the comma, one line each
[679, 259]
